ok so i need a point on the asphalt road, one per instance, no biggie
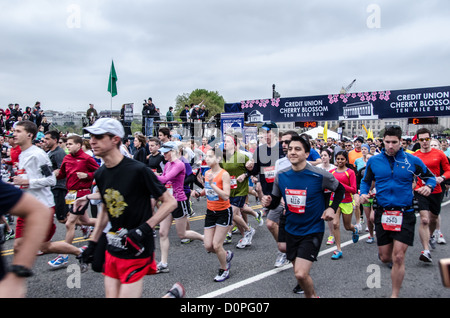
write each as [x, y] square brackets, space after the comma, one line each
[359, 274]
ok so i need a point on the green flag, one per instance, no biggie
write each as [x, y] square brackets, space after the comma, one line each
[112, 86]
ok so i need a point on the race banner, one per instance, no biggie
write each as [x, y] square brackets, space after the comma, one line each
[420, 102]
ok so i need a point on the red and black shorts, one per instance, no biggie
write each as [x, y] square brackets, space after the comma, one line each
[128, 271]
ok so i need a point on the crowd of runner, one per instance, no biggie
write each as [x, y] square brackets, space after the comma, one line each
[102, 185]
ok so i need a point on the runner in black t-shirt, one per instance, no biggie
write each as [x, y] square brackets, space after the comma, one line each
[125, 186]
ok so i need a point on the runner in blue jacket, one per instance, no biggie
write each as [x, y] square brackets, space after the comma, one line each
[394, 173]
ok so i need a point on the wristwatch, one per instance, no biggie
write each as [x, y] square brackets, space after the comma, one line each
[20, 271]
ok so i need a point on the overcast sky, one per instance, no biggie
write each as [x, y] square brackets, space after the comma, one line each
[59, 52]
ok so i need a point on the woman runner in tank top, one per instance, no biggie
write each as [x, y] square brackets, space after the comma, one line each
[219, 215]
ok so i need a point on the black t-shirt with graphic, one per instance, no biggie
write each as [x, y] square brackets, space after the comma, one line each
[126, 190]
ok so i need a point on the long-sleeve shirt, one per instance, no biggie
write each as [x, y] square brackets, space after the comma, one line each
[80, 162]
[394, 176]
[35, 165]
[173, 177]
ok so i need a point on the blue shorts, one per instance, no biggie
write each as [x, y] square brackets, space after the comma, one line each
[238, 201]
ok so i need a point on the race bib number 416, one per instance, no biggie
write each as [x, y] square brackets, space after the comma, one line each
[296, 200]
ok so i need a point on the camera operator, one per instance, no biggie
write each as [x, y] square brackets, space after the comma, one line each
[91, 114]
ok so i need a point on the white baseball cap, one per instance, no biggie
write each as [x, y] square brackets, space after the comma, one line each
[106, 126]
[168, 146]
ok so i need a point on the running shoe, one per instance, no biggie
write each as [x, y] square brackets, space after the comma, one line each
[259, 218]
[298, 290]
[425, 256]
[249, 236]
[227, 239]
[370, 240]
[177, 291]
[336, 255]
[10, 235]
[223, 275]
[330, 240]
[87, 230]
[355, 236]
[229, 258]
[241, 244]
[186, 241]
[59, 261]
[433, 241]
[440, 238]
[247, 239]
[162, 268]
[281, 259]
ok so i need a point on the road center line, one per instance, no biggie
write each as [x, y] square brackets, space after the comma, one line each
[258, 277]
[266, 274]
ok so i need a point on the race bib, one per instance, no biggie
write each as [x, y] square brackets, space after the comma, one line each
[269, 174]
[211, 195]
[392, 220]
[233, 182]
[169, 188]
[71, 196]
[296, 200]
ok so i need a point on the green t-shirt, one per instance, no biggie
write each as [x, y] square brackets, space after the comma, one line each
[235, 166]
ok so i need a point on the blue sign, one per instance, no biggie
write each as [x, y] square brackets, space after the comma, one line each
[420, 102]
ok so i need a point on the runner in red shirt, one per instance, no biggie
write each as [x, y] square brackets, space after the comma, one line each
[430, 206]
[78, 168]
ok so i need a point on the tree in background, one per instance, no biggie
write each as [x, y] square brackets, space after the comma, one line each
[212, 99]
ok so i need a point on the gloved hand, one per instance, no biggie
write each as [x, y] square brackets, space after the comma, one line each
[136, 237]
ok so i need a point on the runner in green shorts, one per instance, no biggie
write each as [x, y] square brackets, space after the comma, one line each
[346, 176]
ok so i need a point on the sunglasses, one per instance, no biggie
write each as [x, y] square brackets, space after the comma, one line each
[424, 139]
[100, 137]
